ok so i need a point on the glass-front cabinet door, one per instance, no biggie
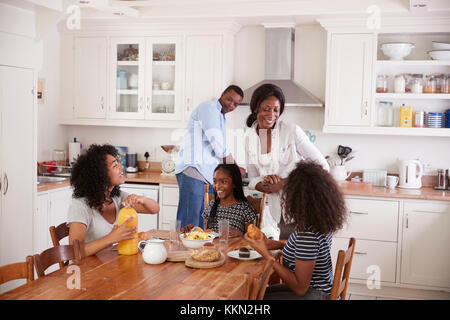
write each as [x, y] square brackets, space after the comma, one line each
[128, 79]
[163, 66]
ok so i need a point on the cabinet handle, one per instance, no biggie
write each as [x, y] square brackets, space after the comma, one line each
[140, 104]
[187, 103]
[360, 253]
[148, 103]
[5, 183]
[357, 212]
[102, 102]
[365, 106]
[407, 223]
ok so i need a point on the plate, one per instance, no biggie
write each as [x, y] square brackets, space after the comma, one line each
[235, 255]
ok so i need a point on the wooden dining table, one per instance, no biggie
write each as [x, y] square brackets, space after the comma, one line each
[110, 276]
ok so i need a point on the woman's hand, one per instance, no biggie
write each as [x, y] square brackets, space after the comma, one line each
[259, 245]
[133, 200]
[272, 179]
[122, 232]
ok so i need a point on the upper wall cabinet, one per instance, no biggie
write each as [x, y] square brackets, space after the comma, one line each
[349, 79]
[142, 78]
[366, 90]
[90, 78]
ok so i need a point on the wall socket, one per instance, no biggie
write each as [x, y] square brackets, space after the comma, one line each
[428, 169]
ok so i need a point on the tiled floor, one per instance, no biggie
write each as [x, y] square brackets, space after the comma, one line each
[361, 292]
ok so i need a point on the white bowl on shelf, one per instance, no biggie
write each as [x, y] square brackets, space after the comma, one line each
[439, 54]
[397, 50]
[441, 45]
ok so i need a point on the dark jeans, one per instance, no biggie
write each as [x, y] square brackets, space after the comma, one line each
[191, 199]
[282, 292]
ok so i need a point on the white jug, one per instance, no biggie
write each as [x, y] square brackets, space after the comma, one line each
[154, 251]
[340, 173]
[410, 174]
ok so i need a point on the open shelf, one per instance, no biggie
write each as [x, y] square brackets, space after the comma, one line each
[431, 132]
[133, 92]
[422, 96]
[128, 63]
[163, 63]
[413, 63]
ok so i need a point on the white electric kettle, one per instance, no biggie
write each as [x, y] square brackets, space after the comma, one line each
[410, 174]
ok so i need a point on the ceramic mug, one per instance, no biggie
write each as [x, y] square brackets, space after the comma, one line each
[340, 173]
[392, 181]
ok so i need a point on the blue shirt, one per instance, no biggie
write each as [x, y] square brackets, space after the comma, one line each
[204, 144]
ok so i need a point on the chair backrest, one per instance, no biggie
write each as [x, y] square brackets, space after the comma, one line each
[18, 270]
[260, 283]
[342, 272]
[258, 204]
[58, 254]
[208, 196]
[57, 234]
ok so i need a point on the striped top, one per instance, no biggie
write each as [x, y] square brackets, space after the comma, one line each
[308, 246]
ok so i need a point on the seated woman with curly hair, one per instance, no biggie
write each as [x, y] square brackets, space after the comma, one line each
[97, 199]
[316, 207]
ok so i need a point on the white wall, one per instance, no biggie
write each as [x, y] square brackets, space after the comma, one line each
[373, 152]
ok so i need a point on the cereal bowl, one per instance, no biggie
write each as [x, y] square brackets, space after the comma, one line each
[196, 243]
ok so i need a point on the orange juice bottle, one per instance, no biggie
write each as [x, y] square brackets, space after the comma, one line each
[128, 247]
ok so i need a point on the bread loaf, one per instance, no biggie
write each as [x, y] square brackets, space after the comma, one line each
[254, 232]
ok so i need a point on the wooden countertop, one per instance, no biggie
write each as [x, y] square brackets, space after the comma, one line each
[348, 188]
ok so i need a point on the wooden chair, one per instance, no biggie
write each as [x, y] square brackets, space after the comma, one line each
[258, 204]
[259, 284]
[343, 263]
[18, 270]
[57, 234]
[58, 254]
[208, 196]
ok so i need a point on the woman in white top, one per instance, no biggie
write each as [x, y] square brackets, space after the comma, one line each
[272, 149]
[97, 199]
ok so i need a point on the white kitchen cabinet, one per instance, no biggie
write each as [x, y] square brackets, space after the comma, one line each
[127, 78]
[426, 237]
[374, 225]
[17, 163]
[163, 78]
[349, 79]
[169, 195]
[145, 221]
[90, 78]
[204, 63]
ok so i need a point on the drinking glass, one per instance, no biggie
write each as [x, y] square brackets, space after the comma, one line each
[175, 230]
[224, 230]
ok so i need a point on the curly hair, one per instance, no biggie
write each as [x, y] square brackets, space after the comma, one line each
[89, 177]
[312, 198]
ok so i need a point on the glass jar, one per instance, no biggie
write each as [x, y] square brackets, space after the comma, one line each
[417, 83]
[439, 82]
[399, 84]
[382, 83]
[408, 82]
[385, 116]
[445, 84]
[430, 85]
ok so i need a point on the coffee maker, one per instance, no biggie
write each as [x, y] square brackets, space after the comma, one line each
[443, 179]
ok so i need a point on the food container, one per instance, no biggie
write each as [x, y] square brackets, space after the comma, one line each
[440, 81]
[194, 244]
[445, 84]
[385, 116]
[434, 120]
[408, 82]
[397, 50]
[399, 84]
[447, 118]
[406, 116]
[382, 83]
[417, 83]
[419, 119]
[430, 85]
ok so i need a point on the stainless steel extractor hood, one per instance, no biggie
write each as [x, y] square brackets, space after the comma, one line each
[279, 70]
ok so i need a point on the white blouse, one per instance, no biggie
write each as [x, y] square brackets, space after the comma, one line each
[290, 145]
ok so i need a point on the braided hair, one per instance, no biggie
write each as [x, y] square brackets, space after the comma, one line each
[238, 191]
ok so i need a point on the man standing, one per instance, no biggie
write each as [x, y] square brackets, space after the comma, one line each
[202, 149]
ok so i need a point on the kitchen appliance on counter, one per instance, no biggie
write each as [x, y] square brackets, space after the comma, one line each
[410, 174]
[132, 163]
[442, 179]
[168, 164]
